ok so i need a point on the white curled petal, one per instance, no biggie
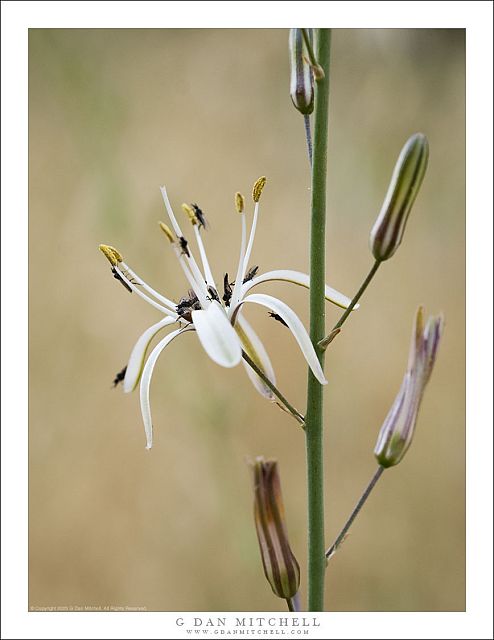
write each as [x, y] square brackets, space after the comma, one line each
[217, 335]
[296, 327]
[146, 382]
[253, 346]
[302, 279]
[136, 360]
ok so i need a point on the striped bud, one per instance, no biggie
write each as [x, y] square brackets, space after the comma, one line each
[395, 436]
[409, 171]
[280, 565]
[301, 75]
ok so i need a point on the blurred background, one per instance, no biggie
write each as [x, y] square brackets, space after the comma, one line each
[113, 115]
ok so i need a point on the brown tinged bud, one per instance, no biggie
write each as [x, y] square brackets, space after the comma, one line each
[301, 73]
[281, 568]
[409, 171]
[396, 434]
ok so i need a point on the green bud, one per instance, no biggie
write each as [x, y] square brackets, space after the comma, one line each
[409, 171]
[280, 565]
[396, 434]
[301, 74]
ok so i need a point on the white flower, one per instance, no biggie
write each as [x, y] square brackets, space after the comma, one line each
[216, 317]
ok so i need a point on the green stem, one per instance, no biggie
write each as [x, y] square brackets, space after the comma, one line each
[289, 407]
[335, 330]
[363, 498]
[314, 416]
[316, 67]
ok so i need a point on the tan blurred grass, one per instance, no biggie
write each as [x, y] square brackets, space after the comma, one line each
[116, 113]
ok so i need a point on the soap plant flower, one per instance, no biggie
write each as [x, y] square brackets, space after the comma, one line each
[214, 313]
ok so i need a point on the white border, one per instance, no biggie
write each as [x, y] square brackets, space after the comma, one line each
[17, 17]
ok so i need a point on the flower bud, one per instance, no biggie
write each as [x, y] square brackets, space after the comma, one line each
[395, 436]
[301, 74]
[409, 171]
[280, 565]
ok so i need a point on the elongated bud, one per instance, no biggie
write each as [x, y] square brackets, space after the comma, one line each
[257, 188]
[396, 434]
[167, 231]
[409, 171]
[280, 565]
[301, 74]
[239, 202]
[113, 256]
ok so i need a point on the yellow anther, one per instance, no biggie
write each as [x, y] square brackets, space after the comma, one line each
[257, 188]
[167, 231]
[113, 256]
[190, 213]
[239, 202]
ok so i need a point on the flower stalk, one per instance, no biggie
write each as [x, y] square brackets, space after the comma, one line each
[314, 416]
[282, 401]
[362, 500]
[325, 342]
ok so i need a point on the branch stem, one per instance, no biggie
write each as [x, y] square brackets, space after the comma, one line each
[363, 498]
[335, 330]
[316, 67]
[289, 407]
[308, 137]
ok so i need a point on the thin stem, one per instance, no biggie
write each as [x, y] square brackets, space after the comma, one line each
[290, 604]
[316, 67]
[335, 330]
[308, 137]
[363, 498]
[314, 416]
[290, 408]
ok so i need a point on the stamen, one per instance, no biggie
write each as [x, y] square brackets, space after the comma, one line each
[189, 212]
[251, 242]
[147, 288]
[204, 258]
[238, 280]
[199, 287]
[256, 194]
[257, 188]
[199, 284]
[180, 255]
[171, 215]
[152, 302]
[113, 256]
[239, 202]
[167, 231]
